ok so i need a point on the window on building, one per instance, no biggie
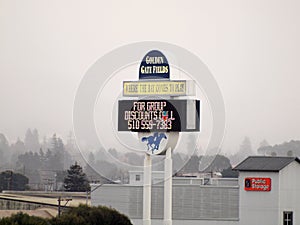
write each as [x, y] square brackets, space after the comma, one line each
[137, 177]
[287, 218]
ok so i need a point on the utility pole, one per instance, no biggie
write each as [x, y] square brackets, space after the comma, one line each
[59, 200]
[59, 210]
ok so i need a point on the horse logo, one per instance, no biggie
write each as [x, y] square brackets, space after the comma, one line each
[154, 141]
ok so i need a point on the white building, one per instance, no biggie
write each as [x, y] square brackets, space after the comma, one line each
[278, 205]
[266, 193]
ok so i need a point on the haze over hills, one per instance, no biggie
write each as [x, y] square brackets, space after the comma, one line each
[49, 159]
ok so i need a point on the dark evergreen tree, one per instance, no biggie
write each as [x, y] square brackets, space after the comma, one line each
[76, 179]
[13, 181]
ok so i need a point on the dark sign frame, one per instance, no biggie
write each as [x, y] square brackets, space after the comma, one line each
[158, 115]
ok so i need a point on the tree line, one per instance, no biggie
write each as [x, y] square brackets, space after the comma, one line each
[45, 163]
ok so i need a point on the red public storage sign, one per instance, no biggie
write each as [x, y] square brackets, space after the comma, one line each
[257, 184]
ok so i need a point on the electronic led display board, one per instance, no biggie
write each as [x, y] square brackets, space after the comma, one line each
[159, 115]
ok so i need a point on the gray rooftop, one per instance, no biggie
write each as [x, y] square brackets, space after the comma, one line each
[265, 163]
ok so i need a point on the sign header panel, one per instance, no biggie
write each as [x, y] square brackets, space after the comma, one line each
[159, 115]
[152, 88]
[257, 184]
[154, 66]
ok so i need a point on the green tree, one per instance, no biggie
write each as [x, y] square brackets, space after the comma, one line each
[76, 179]
[82, 215]
[85, 215]
[13, 181]
[23, 219]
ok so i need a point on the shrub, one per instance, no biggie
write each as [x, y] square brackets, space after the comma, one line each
[85, 215]
[81, 215]
[23, 219]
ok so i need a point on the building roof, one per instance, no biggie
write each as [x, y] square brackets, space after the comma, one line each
[265, 163]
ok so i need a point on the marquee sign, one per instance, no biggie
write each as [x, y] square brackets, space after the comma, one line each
[159, 115]
[152, 88]
[154, 66]
[257, 184]
[157, 118]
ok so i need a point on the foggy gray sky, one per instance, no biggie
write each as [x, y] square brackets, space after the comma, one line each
[251, 47]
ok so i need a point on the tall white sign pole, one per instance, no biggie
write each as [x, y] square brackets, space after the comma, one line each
[147, 190]
[156, 59]
[168, 188]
